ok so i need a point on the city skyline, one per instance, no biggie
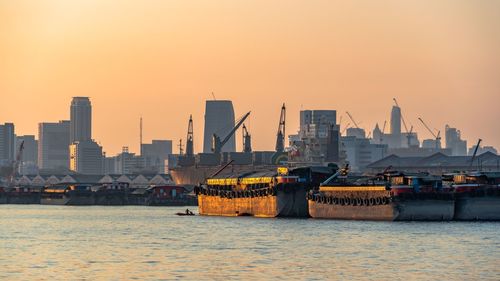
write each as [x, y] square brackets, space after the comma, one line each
[346, 123]
[162, 61]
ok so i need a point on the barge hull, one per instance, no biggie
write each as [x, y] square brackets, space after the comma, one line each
[283, 204]
[421, 210]
[477, 208]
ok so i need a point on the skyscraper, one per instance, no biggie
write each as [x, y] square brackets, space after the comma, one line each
[219, 120]
[454, 142]
[156, 153]
[81, 119]
[7, 143]
[53, 145]
[85, 157]
[396, 120]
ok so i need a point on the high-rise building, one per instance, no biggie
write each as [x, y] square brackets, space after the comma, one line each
[81, 119]
[128, 163]
[318, 138]
[360, 152]
[219, 120]
[396, 120]
[7, 144]
[155, 154]
[85, 157]
[53, 145]
[454, 142]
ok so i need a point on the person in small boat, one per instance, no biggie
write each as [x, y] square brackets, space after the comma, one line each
[188, 212]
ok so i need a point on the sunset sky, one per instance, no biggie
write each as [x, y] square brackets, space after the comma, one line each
[162, 60]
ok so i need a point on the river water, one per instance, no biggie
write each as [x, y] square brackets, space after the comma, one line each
[117, 243]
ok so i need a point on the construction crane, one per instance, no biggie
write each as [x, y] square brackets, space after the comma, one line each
[217, 144]
[475, 152]
[280, 136]
[383, 132]
[352, 119]
[436, 136]
[189, 138]
[345, 128]
[408, 136]
[247, 140]
[408, 133]
[15, 165]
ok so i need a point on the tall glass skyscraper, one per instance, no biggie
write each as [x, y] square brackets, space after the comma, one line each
[81, 119]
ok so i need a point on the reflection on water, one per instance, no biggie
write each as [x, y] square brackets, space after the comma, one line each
[62, 242]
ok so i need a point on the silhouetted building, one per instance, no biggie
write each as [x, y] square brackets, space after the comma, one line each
[396, 120]
[482, 149]
[431, 143]
[356, 132]
[454, 142]
[156, 154]
[360, 152]
[53, 145]
[128, 163]
[437, 163]
[86, 158]
[109, 165]
[7, 144]
[81, 119]
[318, 137]
[219, 120]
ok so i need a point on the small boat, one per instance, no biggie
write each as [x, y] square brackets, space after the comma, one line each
[188, 213]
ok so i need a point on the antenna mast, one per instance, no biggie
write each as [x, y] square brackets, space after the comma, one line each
[140, 135]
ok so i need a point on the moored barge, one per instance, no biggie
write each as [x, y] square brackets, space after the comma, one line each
[261, 194]
[389, 197]
[477, 195]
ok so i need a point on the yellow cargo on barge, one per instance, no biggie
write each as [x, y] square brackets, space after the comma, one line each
[269, 193]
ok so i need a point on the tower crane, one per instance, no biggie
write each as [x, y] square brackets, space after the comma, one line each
[247, 140]
[189, 138]
[408, 133]
[436, 136]
[352, 119]
[383, 132]
[217, 144]
[345, 128]
[280, 136]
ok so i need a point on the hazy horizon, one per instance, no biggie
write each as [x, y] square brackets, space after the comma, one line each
[162, 60]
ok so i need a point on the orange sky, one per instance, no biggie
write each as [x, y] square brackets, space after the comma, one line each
[162, 59]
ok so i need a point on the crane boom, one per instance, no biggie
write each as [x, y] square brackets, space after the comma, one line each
[475, 152]
[437, 137]
[345, 128]
[427, 127]
[352, 119]
[217, 144]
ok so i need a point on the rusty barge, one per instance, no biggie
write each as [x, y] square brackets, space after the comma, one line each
[268, 193]
[394, 197]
